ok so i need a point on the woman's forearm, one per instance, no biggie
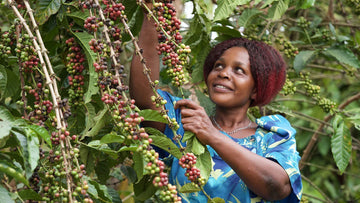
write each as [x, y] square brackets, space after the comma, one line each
[264, 177]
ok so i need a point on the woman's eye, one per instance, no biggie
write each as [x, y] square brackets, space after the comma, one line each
[239, 70]
[218, 66]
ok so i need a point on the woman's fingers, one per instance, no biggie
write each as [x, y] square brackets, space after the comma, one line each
[186, 103]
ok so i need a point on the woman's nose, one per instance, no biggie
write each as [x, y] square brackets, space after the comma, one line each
[224, 73]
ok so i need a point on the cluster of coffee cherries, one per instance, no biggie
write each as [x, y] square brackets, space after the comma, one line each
[174, 53]
[156, 167]
[314, 90]
[40, 107]
[303, 22]
[159, 101]
[52, 187]
[286, 47]
[327, 105]
[56, 137]
[311, 89]
[289, 88]
[87, 4]
[325, 35]
[169, 194]
[188, 162]
[96, 46]
[91, 24]
[26, 53]
[114, 10]
[7, 40]
[251, 32]
[75, 60]
[34, 180]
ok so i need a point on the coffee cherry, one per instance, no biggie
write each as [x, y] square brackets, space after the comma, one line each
[75, 66]
[91, 24]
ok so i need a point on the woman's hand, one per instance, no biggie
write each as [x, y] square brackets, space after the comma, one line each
[195, 119]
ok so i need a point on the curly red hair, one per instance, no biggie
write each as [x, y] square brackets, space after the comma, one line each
[268, 68]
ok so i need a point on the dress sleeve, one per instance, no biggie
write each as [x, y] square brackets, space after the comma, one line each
[280, 146]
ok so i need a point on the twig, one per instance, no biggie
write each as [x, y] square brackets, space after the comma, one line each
[325, 68]
[332, 169]
[315, 136]
[309, 130]
[313, 197]
[317, 188]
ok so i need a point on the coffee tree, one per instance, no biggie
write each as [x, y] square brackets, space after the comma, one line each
[70, 132]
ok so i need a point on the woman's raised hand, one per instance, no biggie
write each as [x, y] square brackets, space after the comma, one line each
[195, 119]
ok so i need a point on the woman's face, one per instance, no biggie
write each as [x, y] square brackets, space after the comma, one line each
[230, 82]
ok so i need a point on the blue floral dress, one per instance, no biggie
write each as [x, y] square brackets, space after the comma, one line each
[274, 139]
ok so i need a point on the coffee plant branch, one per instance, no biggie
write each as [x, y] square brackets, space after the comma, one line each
[315, 136]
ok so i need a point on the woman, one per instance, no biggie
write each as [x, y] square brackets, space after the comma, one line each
[252, 162]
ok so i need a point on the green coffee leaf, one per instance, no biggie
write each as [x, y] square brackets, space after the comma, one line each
[46, 8]
[32, 148]
[204, 163]
[95, 124]
[144, 189]
[343, 55]
[152, 115]
[29, 195]
[278, 9]
[5, 196]
[226, 7]
[189, 188]
[101, 191]
[112, 138]
[138, 159]
[187, 135]
[305, 4]
[302, 58]
[42, 133]
[3, 80]
[197, 148]
[341, 143]
[166, 144]
[247, 16]
[84, 38]
[81, 15]
[6, 120]
[226, 31]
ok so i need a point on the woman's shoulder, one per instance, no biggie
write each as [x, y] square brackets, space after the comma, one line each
[277, 124]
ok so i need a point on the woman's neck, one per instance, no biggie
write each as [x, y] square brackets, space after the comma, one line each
[231, 118]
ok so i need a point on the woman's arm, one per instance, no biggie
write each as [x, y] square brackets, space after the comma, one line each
[140, 89]
[264, 177]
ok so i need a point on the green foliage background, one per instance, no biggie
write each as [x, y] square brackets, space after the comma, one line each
[319, 39]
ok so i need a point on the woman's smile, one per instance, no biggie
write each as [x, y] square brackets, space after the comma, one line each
[219, 87]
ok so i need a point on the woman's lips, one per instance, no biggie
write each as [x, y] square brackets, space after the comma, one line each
[221, 88]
